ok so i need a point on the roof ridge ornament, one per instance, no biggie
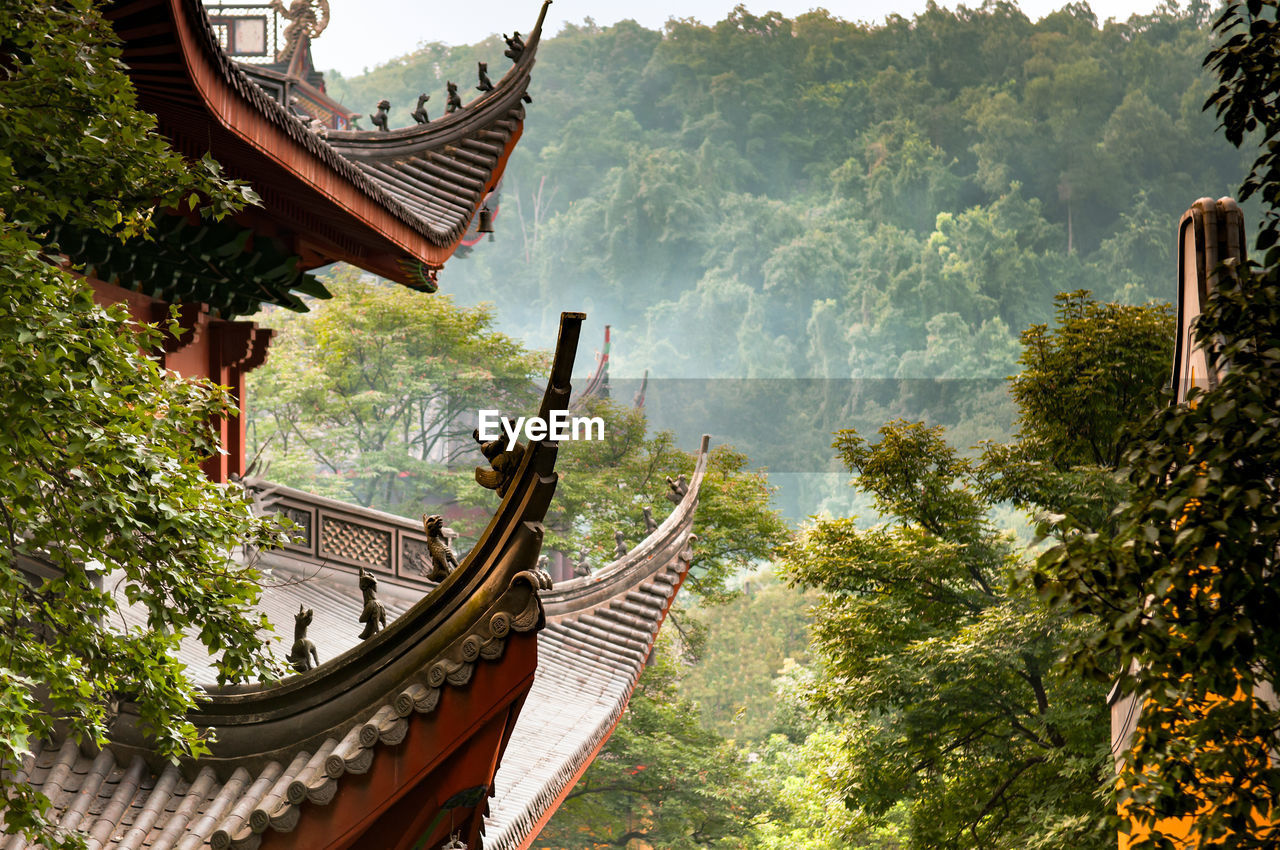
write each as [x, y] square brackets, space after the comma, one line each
[503, 463]
[373, 615]
[420, 111]
[379, 118]
[303, 655]
[515, 46]
[307, 19]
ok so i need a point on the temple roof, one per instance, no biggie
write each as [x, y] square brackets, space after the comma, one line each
[597, 385]
[599, 632]
[394, 203]
[421, 710]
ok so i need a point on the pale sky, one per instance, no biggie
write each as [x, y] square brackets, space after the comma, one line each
[367, 33]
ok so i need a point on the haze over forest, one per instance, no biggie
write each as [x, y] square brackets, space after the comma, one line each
[885, 207]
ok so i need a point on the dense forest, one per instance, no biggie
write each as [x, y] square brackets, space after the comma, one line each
[799, 228]
[845, 221]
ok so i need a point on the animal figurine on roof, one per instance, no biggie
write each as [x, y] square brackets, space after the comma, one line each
[650, 526]
[420, 112]
[515, 46]
[443, 561]
[619, 544]
[303, 655]
[580, 566]
[503, 463]
[455, 102]
[379, 118]
[678, 489]
[485, 83]
[373, 615]
[295, 109]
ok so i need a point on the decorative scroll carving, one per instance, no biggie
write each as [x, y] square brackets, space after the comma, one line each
[300, 536]
[415, 555]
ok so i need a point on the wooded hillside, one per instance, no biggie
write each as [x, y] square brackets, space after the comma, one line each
[767, 197]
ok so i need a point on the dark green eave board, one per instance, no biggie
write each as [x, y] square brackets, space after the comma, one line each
[221, 264]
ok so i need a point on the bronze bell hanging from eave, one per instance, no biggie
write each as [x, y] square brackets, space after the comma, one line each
[486, 221]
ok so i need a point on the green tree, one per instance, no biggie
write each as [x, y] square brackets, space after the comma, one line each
[1181, 585]
[371, 396]
[605, 485]
[940, 676]
[749, 640]
[938, 664]
[102, 502]
[1095, 351]
[1179, 588]
[662, 779]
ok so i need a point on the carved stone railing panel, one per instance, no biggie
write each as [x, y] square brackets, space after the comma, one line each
[335, 534]
[356, 543]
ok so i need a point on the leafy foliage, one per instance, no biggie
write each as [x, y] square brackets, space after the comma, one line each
[715, 190]
[371, 394]
[661, 779]
[750, 639]
[606, 484]
[938, 664]
[804, 811]
[1181, 585]
[101, 498]
[878, 208]
[940, 676]
[1081, 382]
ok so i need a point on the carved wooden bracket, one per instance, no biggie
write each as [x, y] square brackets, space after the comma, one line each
[243, 344]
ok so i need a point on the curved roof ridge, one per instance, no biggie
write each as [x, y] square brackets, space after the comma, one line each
[600, 631]
[581, 593]
[281, 117]
[485, 137]
[478, 114]
[278, 748]
[598, 377]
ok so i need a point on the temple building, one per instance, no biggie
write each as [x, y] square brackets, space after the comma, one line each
[395, 203]
[477, 692]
